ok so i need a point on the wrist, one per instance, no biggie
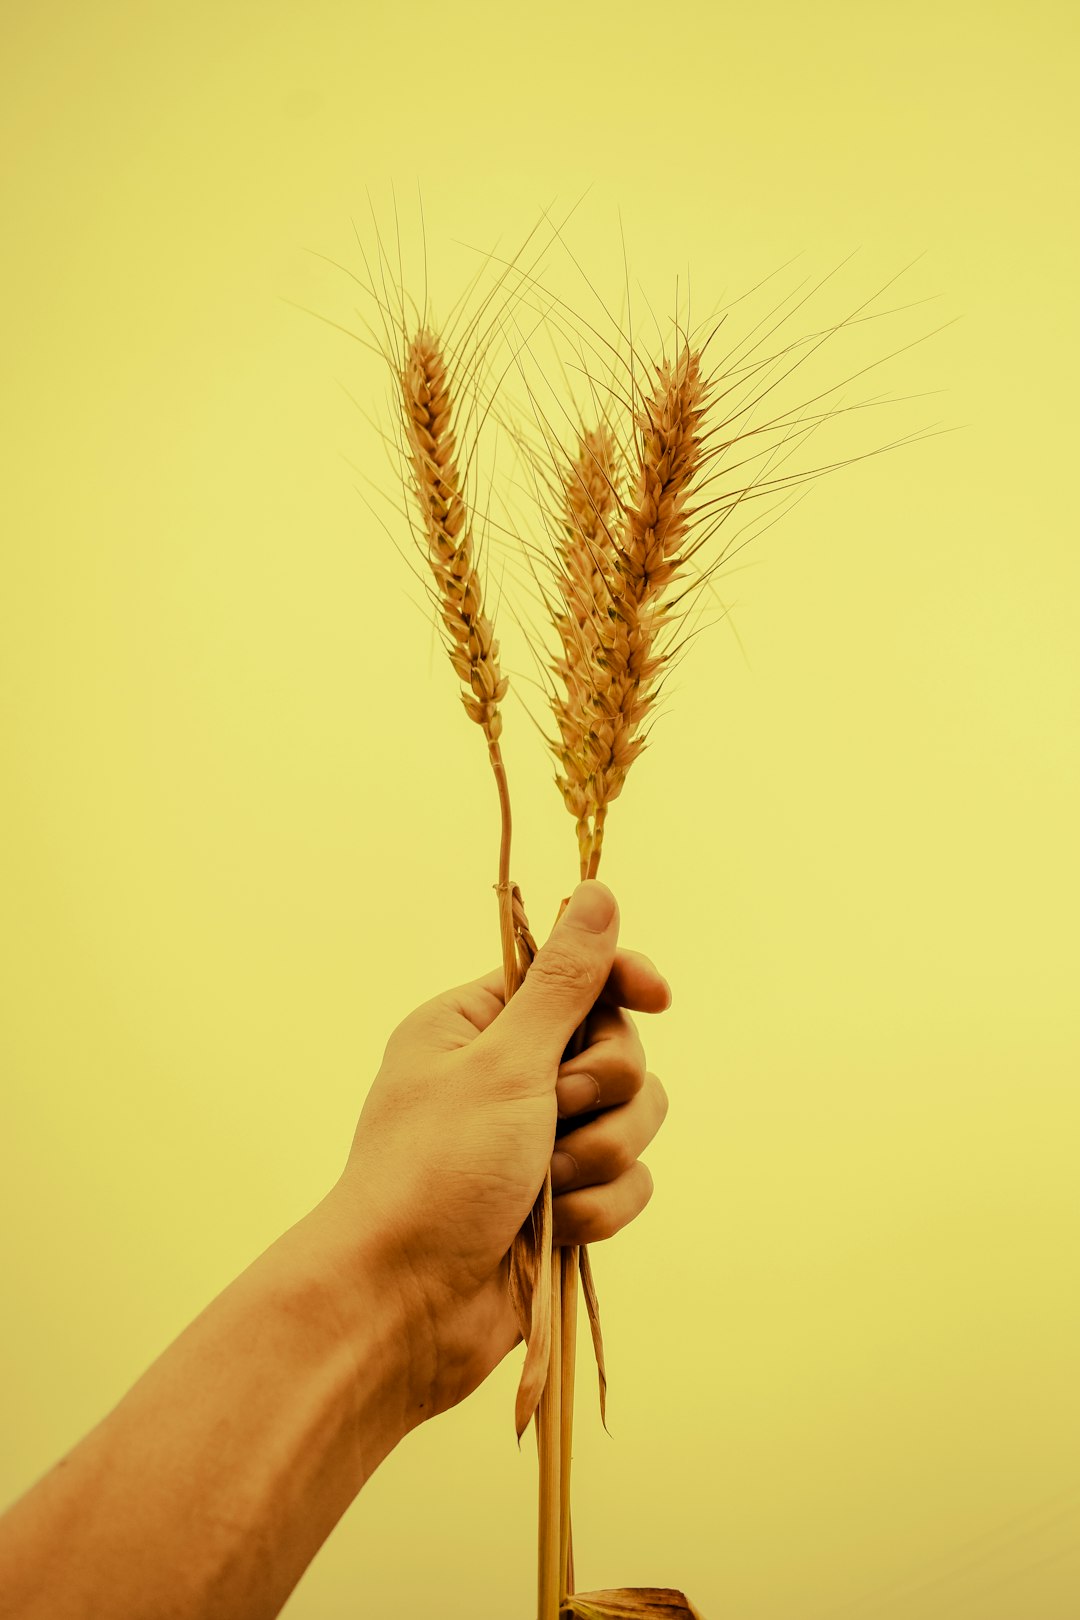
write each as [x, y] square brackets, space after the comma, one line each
[378, 1303]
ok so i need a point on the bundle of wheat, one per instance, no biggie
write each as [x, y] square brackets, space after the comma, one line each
[620, 558]
[615, 560]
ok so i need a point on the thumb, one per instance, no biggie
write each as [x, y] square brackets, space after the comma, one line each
[567, 974]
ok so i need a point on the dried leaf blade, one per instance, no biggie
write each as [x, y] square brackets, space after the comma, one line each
[630, 1603]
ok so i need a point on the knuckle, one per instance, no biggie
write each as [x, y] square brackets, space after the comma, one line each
[561, 968]
[498, 1068]
[596, 1213]
[482, 1060]
[662, 1098]
[636, 1048]
[589, 1223]
[628, 1066]
[620, 1157]
[575, 1228]
[635, 1074]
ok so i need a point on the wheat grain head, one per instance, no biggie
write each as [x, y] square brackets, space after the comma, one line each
[614, 565]
[437, 486]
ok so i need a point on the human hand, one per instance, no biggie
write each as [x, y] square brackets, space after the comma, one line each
[456, 1134]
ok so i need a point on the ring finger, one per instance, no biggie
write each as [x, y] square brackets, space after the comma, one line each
[593, 1213]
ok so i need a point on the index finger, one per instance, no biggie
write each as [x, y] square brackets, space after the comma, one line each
[634, 983]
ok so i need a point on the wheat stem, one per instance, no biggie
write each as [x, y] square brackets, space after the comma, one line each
[550, 1568]
[612, 589]
[504, 888]
[568, 1346]
[597, 843]
[474, 653]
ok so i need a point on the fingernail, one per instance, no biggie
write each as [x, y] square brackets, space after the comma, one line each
[592, 906]
[563, 1168]
[577, 1092]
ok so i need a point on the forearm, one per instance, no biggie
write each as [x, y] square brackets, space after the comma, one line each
[209, 1488]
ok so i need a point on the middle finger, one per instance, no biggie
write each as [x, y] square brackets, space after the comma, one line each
[608, 1147]
[609, 1071]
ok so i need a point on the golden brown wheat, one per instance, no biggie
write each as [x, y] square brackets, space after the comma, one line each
[669, 425]
[613, 582]
[474, 652]
[615, 558]
[586, 555]
[613, 611]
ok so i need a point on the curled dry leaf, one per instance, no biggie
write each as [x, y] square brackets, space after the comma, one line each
[530, 1274]
[523, 940]
[630, 1603]
[592, 1305]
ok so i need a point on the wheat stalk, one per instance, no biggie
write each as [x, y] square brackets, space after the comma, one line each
[615, 558]
[470, 635]
[614, 561]
[474, 652]
[617, 554]
[624, 519]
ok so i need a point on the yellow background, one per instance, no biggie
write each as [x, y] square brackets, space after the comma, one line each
[246, 827]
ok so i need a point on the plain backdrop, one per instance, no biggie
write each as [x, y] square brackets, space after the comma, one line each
[246, 827]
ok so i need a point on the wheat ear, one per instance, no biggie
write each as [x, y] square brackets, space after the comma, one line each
[470, 635]
[586, 564]
[614, 561]
[620, 661]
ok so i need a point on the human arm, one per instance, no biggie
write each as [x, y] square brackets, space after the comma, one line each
[208, 1489]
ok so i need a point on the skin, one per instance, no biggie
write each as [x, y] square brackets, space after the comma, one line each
[207, 1491]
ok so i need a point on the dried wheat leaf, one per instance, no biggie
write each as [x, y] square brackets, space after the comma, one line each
[520, 1280]
[535, 1369]
[592, 1305]
[629, 1603]
[526, 944]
